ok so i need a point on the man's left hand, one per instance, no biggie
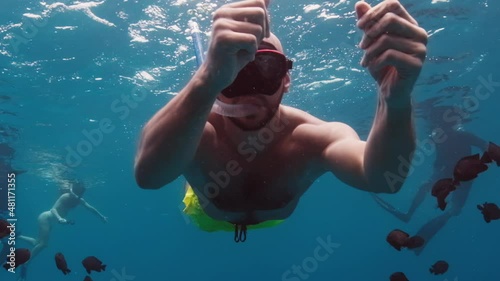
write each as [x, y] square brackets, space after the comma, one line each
[395, 49]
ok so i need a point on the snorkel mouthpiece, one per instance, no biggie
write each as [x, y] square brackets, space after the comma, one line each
[234, 110]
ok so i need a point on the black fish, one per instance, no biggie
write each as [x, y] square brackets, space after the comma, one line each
[61, 263]
[490, 211]
[398, 276]
[439, 267]
[400, 239]
[455, 89]
[468, 168]
[415, 242]
[4, 229]
[92, 263]
[442, 189]
[22, 256]
[446, 59]
[397, 238]
[436, 78]
[87, 278]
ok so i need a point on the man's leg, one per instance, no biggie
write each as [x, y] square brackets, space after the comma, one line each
[431, 228]
[24, 273]
[459, 197]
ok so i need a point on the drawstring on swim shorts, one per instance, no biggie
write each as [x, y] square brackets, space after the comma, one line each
[240, 233]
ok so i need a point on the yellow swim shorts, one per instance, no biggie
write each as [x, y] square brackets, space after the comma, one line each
[204, 222]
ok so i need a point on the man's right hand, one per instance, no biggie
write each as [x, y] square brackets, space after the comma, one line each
[237, 30]
[63, 221]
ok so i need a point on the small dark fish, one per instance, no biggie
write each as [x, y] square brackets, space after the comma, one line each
[397, 238]
[492, 154]
[468, 168]
[61, 263]
[490, 211]
[436, 78]
[92, 263]
[446, 59]
[4, 229]
[400, 239]
[87, 278]
[456, 89]
[441, 59]
[442, 189]
[6, 150]
[439, 267]
[398, 276]
[22, 256]
[415, 242]
[7, 112]
[18, 172]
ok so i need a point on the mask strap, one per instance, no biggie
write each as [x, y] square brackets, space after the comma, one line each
[240, 233]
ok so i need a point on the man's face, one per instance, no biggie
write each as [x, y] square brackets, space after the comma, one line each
[245, 93]
[268, 105]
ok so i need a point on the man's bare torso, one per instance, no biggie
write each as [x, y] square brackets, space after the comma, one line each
[257, 179]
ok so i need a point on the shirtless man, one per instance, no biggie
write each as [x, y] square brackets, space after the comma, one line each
[247, 184]
[70, 198]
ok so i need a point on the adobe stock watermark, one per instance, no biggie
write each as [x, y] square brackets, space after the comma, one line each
[455, 115]
[121, 276]
[31, 23]
[30, 27]
[248, 149]
[310, 264]
[94, 137]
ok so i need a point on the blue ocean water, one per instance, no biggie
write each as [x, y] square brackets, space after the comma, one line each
[70, 68]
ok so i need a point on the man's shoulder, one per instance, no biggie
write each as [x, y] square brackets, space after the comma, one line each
[305, 120]
[299, 117]
[314, 135]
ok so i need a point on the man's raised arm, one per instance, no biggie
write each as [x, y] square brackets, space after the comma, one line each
[170, 139]
[373, 165]
[394, 51]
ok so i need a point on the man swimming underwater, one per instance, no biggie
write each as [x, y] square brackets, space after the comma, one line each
[249, 171]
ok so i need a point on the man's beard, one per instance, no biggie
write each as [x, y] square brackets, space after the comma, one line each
[252, 125]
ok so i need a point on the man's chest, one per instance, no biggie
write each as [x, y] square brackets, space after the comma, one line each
[243, 177]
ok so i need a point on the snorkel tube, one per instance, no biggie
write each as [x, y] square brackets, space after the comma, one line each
[219, 107]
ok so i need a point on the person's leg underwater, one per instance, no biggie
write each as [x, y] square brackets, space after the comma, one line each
[44, 228]
[5, 248]
[30, 240]
[430, 229]
[423, 190]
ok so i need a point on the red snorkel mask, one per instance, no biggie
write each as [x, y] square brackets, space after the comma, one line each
[263, 75]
